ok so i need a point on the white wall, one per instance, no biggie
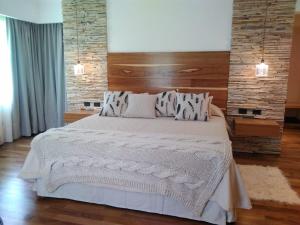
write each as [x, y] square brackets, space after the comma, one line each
[147, 25]
[298, 6]
[169, 25]
[36, 11]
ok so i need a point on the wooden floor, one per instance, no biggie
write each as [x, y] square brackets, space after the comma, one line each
[19, 205]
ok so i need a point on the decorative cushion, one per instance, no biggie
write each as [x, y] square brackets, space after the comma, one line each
[141, 106]
[115, 103]
[192, 106]
[166, 104]
[216, 111]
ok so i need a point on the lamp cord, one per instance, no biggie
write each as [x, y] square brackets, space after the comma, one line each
[77, 32]
[264, 33]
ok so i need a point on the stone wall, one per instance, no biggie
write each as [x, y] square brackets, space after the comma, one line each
[93, 50]
[247, 91]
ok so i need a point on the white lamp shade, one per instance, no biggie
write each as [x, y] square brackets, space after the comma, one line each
[262, 70]
[79, 69]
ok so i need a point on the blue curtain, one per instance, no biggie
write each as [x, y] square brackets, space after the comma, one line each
[38, 76]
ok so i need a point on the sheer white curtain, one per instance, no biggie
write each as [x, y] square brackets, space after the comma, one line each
[6, 88]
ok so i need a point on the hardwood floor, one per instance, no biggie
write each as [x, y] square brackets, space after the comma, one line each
[20, 205]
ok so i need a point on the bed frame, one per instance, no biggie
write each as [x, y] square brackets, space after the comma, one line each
[155, 72]
[184, 71]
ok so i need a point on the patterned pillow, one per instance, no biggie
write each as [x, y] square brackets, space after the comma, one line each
[166, 104]
[115, 103]
[192, 106]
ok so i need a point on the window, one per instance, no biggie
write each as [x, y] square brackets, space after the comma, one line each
[6, 89]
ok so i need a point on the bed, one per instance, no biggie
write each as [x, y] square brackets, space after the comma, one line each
[218, 204]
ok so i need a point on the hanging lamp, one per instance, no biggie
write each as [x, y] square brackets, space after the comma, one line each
[78, 68]
[262, 69]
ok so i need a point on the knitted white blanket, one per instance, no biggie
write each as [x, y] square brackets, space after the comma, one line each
[187, 168]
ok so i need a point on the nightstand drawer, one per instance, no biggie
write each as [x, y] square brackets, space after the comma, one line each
[256, 127]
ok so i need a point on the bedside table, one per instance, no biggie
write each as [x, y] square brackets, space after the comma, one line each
[70, 117]
[245, 127]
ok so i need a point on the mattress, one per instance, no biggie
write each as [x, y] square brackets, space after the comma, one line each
[215, 127]
[229, 195]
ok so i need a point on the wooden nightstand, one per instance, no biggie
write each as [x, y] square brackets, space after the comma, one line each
[245, 127]
[70, 117]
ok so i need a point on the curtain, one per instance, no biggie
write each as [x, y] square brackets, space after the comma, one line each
[37, 76]
[6, 133]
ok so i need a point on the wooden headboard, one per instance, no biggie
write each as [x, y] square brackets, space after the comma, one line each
[185, 71]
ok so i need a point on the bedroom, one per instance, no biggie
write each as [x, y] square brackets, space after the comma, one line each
[149, 112]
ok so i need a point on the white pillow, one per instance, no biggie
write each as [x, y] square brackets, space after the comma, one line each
[216, 111]
[141, 106]
[210, 98]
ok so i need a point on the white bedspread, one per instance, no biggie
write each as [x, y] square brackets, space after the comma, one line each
[185, 167]
[229, 194]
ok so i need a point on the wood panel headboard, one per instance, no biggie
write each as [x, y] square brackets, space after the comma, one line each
[185, 71]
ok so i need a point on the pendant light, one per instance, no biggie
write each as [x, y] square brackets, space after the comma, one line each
[262, 69]
[78, 68]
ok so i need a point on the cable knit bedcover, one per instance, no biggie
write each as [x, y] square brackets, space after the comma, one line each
[187, 168]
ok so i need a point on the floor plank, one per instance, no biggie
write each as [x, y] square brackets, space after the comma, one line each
[20, 205]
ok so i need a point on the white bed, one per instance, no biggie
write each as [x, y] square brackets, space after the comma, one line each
[221, 207]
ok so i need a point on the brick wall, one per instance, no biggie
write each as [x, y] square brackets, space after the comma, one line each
[247, 91]
[93, 50]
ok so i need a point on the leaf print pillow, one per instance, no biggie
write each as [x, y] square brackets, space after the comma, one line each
[192, 106]
[115, 103]
[165, 104]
